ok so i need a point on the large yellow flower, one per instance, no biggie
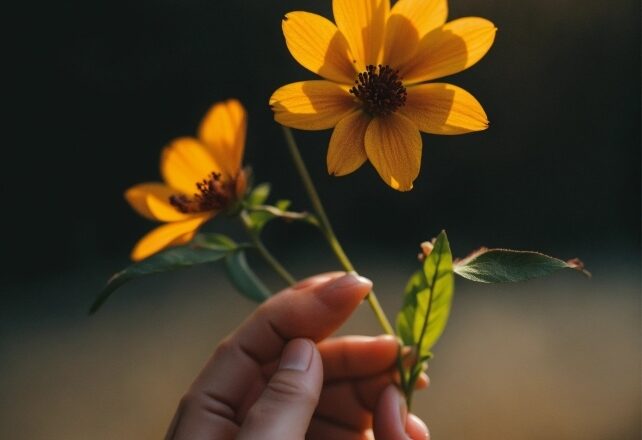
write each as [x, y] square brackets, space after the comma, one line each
[202, 177]
[375, 62]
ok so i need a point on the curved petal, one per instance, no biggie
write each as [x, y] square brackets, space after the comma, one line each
[440, 108]
[347, 150]
[425, 15]
[409, 21]
[185, 162]
[316, 43]
[167, 235]
[393, 145]
[151, 200]
[222, 131]
[312, 105]
[183, 239]
[449, 49]
[363, 23]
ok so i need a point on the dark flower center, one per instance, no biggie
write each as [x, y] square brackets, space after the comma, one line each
[214, 194]
[380, 90]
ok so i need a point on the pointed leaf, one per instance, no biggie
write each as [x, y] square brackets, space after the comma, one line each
[428, 299]
[259, 194]
[244, 278]
[509, 266]
[169, 260]
[438, 269]
[283, 205]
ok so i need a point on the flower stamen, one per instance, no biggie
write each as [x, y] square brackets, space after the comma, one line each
[214, 194]
[380, 90]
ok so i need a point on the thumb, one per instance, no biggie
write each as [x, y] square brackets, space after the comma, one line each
[289, 399]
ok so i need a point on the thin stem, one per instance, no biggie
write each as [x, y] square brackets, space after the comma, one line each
[265, 253]
[326, 226]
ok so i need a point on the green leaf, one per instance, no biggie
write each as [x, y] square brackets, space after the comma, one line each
[283, 205]
[509, 266]
[259, 194]
[428, 299]
[406, 316]
[265, 214]
[169, 260]
[244, 279]
[214, 241]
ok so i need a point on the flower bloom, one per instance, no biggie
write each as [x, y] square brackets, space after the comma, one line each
[202, 177]
[375, 63]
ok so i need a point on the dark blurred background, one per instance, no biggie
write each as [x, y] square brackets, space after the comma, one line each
[96, 90]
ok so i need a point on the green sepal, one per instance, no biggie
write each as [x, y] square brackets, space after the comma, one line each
[169, 260]
[259, 195]
[510, 266]
[428, 299]
[243, 277]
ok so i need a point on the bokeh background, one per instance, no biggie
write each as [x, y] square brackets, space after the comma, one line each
[97, 88]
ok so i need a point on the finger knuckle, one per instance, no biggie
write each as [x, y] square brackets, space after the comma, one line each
[288, 389]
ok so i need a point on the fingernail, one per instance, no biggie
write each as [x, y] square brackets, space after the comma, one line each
[296, 355]
[348, 280]
[318, 279]
[419, 425]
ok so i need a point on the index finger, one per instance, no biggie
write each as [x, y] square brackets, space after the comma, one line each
[312, 309]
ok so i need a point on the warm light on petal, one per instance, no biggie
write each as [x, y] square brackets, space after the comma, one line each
[222, 131]
[186, 162]
[362, 22]
[311, 105]
[151, 200]
[241, 184]
[393, 145]
[426, 15]
[347, 150]
[316, 43]
[449, 49]
[440, 108]
[409, 21]
[183, 239]
[167, 235]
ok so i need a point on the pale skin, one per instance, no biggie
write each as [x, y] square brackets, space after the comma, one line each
[279, 376]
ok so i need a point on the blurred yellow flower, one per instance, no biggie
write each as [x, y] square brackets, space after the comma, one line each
[202, 177]
[375, 62]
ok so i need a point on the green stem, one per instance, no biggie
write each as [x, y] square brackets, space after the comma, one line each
[326, 226]
[265, 253]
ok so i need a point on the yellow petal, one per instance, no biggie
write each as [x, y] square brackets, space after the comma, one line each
[222, 131]
[183, 239]
[440, 108]
[167, 235]
[312, 105]
[316, 43]
[347, 150]
[455, 46]
[363, 23]
[425, 15]
[393, 145]
[185, 162]
[409, 21]
[151, 200]
[241, 184]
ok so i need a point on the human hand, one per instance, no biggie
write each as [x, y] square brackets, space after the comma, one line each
[268, 380]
